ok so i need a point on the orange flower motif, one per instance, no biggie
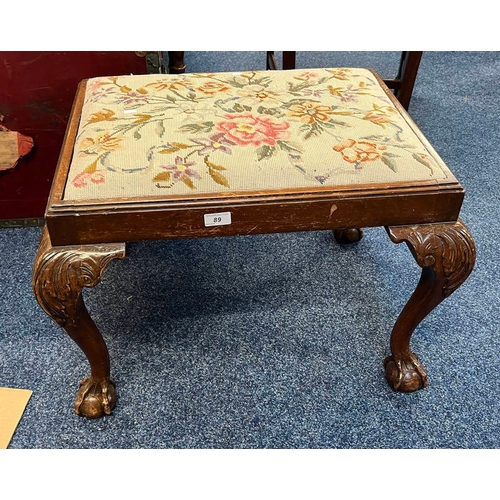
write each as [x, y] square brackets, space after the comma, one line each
[203, 75]
[103, 115]
[174, 84]
[337, 91]
[212, 88]
[248, 75]
[142, 117]
[310, 112]
[378, 118]
[356, 152]
[103, 142]
[340, 74]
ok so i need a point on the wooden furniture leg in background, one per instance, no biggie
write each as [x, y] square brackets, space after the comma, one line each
[402, 85]
[288, 60]
[446, 253]
[347, 236]
[405, 80]
[176, 63]
[59, 275]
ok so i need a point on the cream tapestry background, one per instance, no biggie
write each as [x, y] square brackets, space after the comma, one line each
[157, 135]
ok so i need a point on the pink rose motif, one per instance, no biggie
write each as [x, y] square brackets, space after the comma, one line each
[97, 177]
[306, 75]
[245, 129]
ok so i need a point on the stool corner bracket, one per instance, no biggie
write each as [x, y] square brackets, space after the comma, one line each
[448, 248]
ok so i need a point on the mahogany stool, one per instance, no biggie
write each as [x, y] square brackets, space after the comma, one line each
[153, 157]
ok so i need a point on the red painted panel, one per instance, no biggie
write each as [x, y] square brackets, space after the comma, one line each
[36, 94]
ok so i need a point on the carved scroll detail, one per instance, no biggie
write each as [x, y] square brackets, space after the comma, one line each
[448, 248]
[60, 273]
[447, 253]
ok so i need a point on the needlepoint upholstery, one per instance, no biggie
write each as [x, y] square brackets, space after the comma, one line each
[163, 135]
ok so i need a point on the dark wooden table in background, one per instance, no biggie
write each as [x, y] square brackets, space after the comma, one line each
[37, 90]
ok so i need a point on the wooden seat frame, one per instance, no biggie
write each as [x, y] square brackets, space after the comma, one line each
[81, 237]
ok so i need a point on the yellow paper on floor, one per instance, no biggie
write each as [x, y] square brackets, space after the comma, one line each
[12, 405]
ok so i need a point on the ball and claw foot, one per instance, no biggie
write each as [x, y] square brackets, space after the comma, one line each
[405, 375]
[347, 236]
[95, 399]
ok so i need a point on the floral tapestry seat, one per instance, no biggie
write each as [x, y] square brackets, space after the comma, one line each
[157, 135]
[152, 157]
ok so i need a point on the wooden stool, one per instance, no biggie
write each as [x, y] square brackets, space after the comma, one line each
[155, 157]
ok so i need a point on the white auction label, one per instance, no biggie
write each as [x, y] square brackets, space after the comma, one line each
[220, 219]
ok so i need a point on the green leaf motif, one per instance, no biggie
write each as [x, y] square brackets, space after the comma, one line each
[203, 127]
[269, 111]
[240, 109]
[223, 104]
[290, 146]
[264, 81]
[375, 138]
[423, 161]
[298, 87]
[389, 163]
[160, 129]
[298, 101]
[334, 123]
[311, 130]
[265, 151]
[236, 84]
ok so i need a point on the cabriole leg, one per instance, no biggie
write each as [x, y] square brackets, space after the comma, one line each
[59, 275]
[446, 253]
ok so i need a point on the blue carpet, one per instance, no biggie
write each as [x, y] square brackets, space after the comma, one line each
[277, 341]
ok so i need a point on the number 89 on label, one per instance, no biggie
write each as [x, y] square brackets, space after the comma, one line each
[220, 219]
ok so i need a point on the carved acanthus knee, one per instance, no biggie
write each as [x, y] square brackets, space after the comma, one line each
[446, 253]
[60, 273]
[59, 276]
[447, 248]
